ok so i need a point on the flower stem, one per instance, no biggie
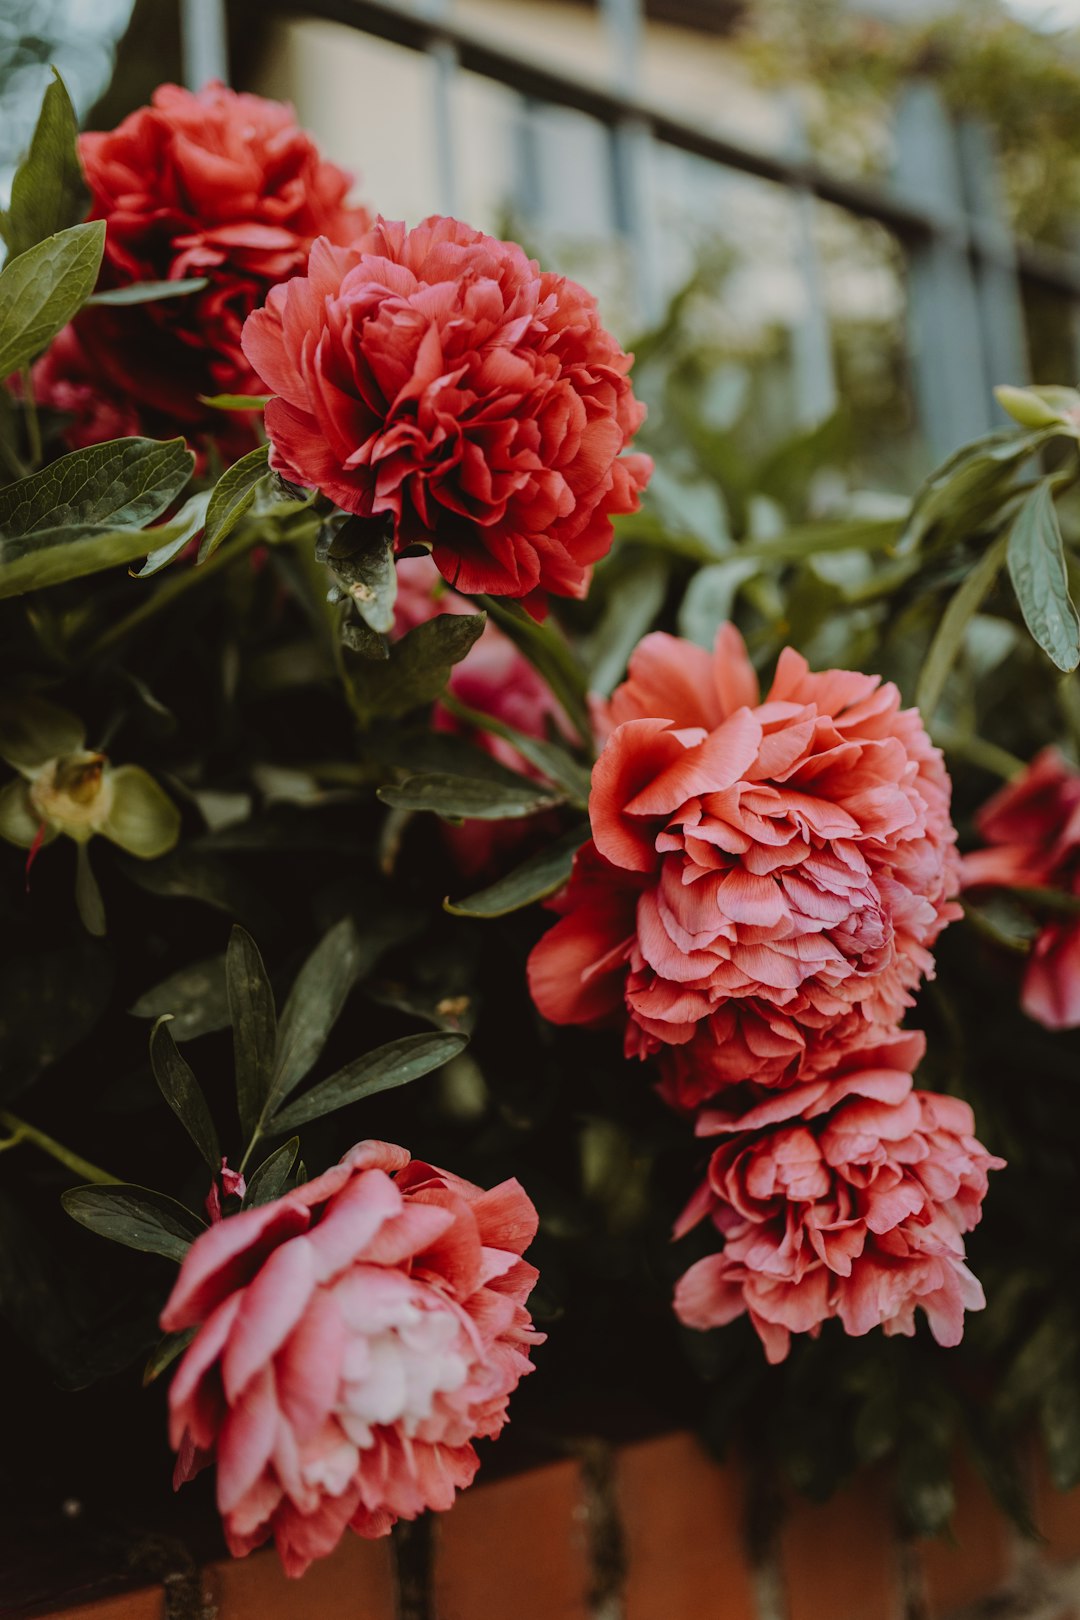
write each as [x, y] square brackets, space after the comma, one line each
[180, 582]
[33, 426]
[22, 1131]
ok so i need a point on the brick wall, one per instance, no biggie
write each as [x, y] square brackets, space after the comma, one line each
[652, 1531]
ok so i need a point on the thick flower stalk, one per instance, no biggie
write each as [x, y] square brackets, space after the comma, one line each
[214, 185]
[1032, 832]
[847, 1197]
[438, 375]
[353, 1338]
[765, 878]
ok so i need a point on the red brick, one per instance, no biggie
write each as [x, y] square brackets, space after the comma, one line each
[839, 1561]
[355, 1580]
[975, 1562]
[682, 1517]
[514, 1550]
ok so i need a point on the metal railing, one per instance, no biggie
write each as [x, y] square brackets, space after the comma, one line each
[943, 205]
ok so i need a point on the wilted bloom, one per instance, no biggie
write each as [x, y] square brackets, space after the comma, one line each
[765, 879]
[211, 184]
[353, 1338]
[494, 678]
[64, 787]
[439, 375]
[1032, 828]
[847, 1198]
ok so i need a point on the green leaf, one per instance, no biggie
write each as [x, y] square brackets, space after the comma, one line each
[417, 669]
[181, 1091]
[360, 553]
[269, 1180]
[236, 402]
[976, 474]
[632, 603]
[710, 598]
[234, 494]
[43, 288]
[183, 528]
[148, 292]
[165, 1353]
[459, 798]
[125, 483]
[550, 654]
[195, 997]
[314, 1005]
[394, 1064]
[88, 901]
[135, 1216]
[48, 192]
[1039, 576]
[254, 1022]
[949, 636]
[551, 759]
[542, 874]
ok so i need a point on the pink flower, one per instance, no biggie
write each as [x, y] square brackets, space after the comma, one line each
[845, 1198]
[211, 184]
[495, 679]
[1032, 828]
[765, 879]
[353, 1338]
[439, 375]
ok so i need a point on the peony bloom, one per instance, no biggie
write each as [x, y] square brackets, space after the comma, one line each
[494, 678]
[216, 185]
[353, 1338]
[765, 879]
[847, 1198]
[439, 375]
[1032, 828]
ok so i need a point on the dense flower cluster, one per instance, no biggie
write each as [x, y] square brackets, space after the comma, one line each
[353, 1338]
[213, 185]
[756, 907]
[1032, 828]
[439, 375]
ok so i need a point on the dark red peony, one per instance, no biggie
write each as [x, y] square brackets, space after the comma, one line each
[217, 185]
[439, 375]
[765, 877]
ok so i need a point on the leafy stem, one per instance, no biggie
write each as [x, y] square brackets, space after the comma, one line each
[22, 1131]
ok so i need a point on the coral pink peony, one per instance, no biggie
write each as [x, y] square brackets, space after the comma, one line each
[765, 879]
[215, 185]
[1032, 828]
[353, 1338]
[844, 1198]
[439, 375]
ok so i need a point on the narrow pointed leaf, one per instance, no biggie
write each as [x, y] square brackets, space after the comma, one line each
[541, 875]
[314, 1005]
[234, 494]
[237, 402]
[181, 1091]
[48, 191]
[1040, 579]
[43, 288]
[463, 797]
[148, 292]
[254, 1022]
[174, 536]
[195, 996]
[270, 1179]
[949, 636]
[165, 1352]
[394, 1064]
[548, 653]
[135, 1216]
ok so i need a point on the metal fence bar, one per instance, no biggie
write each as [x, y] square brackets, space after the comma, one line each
[997, 281]
[203, 42]
[908, 216]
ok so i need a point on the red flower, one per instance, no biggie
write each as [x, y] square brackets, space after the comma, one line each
[439, 375]
[1032, 828]
[215, 185]
[764, 879]
[353, 1338]
[846, 1198]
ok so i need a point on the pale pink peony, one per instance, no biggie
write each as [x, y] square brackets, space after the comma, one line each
[765, 879]
[439, 375]
[1032, 828]
[353, 1338]
[847, 1197]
